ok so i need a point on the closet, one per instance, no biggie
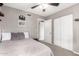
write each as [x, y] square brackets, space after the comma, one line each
[63, 32]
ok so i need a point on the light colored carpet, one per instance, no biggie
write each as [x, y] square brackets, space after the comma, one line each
[58, 51]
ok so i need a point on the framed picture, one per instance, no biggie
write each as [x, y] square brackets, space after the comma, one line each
[22, 17]
[21, 21]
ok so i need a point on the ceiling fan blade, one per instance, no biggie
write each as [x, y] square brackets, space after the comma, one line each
[1, 4]
[34, 6]
[54, 4]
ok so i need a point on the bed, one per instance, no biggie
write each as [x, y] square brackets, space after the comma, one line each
[24, 47]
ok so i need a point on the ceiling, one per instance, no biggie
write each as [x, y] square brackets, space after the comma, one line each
[38, 10]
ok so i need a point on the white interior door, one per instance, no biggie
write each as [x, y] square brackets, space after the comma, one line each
[48, 31]
[57, 32]
[41, 31]
[63, 32]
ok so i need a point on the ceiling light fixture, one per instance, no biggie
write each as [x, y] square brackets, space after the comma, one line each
[44, 5]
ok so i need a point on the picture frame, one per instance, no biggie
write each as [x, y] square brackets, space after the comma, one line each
[22, 17]
[21, 21]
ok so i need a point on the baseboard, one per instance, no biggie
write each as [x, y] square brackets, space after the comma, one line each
[75, 52]
[69, 50]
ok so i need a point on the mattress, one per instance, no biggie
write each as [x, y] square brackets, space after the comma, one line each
[24, 47]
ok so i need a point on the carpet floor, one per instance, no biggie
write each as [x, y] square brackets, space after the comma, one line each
[58, 51]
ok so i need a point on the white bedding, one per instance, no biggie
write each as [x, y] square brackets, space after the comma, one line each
[25, 47]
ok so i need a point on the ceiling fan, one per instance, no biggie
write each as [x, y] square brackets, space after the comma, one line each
[51, 4]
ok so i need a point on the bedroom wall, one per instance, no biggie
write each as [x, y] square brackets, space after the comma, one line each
[75, 11]
[0, 26]
[0, 8]
[10, 21]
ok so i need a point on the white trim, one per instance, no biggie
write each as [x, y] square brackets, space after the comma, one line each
[75, 52]
[68, 50]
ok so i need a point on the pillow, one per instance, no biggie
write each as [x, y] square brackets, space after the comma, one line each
[26, 35]
[6, 36]
[17, 36]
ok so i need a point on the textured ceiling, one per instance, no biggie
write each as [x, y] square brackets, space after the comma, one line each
[49, 9]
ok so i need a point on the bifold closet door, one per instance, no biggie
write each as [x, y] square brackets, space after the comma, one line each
[63, 32]
[57, 32]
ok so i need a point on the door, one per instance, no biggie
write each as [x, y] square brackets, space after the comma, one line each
[57, 32]
[41, 37]
[48, 31]
[63, 32]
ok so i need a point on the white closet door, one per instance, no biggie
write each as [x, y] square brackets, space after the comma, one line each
[67, 32]
[57, 32]
[41, 31]
[63, 32]
[48, 31]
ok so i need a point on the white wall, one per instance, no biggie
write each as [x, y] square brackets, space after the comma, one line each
[0, 25]
[10, 21]
[63, 32]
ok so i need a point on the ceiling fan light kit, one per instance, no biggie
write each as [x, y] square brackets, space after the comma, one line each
[45, 5]
[44, 10]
